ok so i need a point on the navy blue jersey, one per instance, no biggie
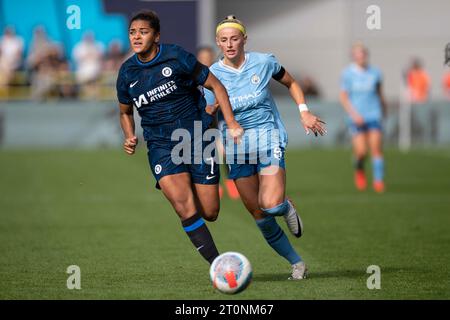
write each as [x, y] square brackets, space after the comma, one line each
[164, 89]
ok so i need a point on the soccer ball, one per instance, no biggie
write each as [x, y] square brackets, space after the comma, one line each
[231, 272]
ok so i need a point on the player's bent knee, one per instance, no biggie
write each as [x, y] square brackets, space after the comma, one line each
[277, 209]
[211, 214]
[267, 203]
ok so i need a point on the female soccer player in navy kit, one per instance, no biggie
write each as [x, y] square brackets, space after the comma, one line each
[161, 81]
[261, 180]
[361, 97]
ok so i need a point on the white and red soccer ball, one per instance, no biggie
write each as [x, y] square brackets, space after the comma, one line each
[231, 272]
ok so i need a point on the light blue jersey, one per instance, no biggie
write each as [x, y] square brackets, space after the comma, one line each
[361, 87]
[251, 100]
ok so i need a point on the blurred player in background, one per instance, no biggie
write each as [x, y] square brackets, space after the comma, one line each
[418, 82]
[261, 183]
[446, 77]
[446, 84]
[361, 97]
[161, 81]
[207, 56]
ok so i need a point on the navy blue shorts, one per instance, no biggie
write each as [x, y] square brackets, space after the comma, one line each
[254, 163]
[168, 157]
[367, 126]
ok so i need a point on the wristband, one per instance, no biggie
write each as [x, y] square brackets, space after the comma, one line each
[303, 107]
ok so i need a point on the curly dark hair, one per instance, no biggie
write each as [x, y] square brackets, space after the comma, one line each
[150, 16]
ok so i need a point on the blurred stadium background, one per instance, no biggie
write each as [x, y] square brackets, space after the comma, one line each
[59, 133]
[54, 74]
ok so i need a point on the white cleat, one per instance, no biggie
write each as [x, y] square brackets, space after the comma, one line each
[299, 271]
[293, 221]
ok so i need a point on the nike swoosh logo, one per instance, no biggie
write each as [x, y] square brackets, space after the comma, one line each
[210, 177]
[200, 247]
[133, 84]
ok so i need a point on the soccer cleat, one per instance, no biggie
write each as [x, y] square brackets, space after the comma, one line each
[293, 221]
[299, 271]
[231, 189]
[378, 186]
[360, 180]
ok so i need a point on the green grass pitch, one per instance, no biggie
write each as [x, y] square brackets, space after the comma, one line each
[99, 210]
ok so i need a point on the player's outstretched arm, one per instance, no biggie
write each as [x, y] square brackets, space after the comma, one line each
[128, 127]
[309, 120]
[213, 84]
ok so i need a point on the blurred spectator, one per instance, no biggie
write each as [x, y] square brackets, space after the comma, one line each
[418, 82]
[309, 87]
[45, 78]
[88, 56]
[66, 82]
[44, 62]
[11, 51]
[39, 48]
[114, 57]
[206, 55]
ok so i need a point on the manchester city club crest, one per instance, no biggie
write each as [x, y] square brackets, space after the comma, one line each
[255, 79]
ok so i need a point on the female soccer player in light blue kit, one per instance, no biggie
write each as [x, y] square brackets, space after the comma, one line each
[258, 168]
[362, 99]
